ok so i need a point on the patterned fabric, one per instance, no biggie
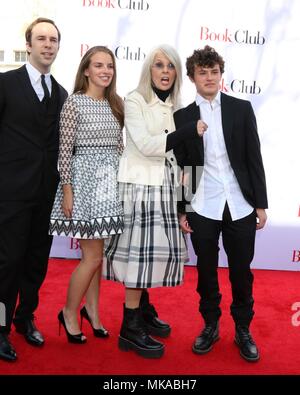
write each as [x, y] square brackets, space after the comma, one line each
[86, 122]
[90, 147]
[152, 251]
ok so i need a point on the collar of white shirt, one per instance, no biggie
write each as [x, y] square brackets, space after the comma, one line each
[34, 74]
[200, 99]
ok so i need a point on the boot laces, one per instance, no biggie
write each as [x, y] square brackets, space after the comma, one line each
[207, 331]
[245, 335]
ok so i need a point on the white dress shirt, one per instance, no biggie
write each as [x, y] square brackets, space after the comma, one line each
[218, 183]
[35, 79]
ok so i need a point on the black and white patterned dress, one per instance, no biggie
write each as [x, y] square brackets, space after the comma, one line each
[91, 143]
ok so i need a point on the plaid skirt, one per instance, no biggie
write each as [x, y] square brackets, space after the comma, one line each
[151, 251]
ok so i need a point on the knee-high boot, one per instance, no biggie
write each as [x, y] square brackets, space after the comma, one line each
[153, 325]
[133, 336]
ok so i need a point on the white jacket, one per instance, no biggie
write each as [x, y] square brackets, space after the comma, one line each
[147, 126]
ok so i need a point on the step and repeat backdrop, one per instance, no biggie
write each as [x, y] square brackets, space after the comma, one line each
[259, 40]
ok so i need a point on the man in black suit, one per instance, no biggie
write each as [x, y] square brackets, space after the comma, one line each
[30, 104]
[224, 174]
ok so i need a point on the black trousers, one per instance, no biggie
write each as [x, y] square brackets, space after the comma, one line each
[238, 241]
[24, 251]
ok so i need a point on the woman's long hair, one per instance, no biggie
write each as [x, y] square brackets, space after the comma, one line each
[81, 82]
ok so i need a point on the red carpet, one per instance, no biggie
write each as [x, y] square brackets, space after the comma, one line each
[278, 340]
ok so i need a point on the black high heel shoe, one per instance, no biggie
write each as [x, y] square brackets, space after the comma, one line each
[71, 338]
[101, 332]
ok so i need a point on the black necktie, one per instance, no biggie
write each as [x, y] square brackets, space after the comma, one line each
[46, 90]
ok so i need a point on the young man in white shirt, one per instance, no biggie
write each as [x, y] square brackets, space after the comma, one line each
[229, 196]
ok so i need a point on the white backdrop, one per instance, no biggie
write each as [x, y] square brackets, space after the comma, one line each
[259, 40]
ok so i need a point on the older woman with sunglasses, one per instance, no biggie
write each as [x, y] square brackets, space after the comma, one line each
[151, 252]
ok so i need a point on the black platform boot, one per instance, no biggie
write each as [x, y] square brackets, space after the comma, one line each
[133, 336]
[153, 325]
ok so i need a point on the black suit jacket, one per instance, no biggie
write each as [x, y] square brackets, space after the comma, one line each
[242, 144]
[28, 160]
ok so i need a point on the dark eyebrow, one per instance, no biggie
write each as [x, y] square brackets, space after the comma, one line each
[43, 36]
[101, 64]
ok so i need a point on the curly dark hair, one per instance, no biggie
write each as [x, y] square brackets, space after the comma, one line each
[206, 57]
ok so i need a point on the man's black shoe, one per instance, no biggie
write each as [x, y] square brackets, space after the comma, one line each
[7, 352]
[246, 344]
[30, 332]
[204, 342]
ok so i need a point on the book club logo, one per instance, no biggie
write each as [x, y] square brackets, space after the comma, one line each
[296, 305]
[133, 5]
[296, 253]
[74, 244]
[241, 86]
[122, 52]
[241, 36]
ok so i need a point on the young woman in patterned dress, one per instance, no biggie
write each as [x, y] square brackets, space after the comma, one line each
[151, 252]
[87, 205]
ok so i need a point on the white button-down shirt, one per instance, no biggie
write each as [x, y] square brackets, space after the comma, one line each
[218, 183]
[35, 79]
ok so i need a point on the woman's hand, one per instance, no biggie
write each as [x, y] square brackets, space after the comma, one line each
[183, 222]
[67, 203]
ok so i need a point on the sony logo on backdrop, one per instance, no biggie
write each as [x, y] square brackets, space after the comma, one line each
[135, 5]
[240, 36]
[121, 52]
[240, 86]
